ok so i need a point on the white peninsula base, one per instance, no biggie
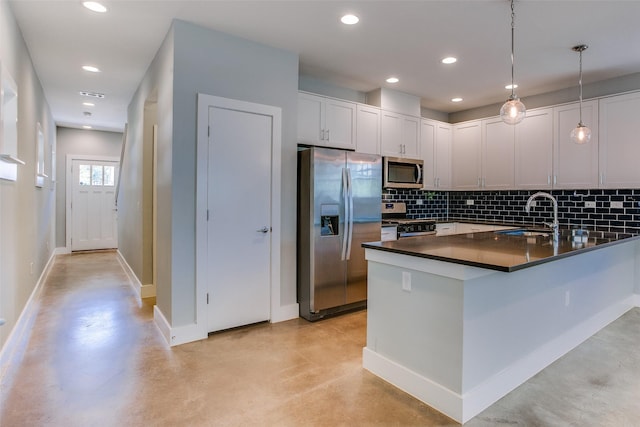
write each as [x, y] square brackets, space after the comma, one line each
[459, 338]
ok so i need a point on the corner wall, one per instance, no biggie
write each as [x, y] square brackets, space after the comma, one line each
[27, 212]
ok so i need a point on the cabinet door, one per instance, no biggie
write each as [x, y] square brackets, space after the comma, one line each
[498, 155]
[466, 156]
[443, 156]
[619, 142]
[534, 150]
[368, 130]
[391, 134]
[410, 136]
[310, 119]
[340, 124]
[428, 130]
[575, 166]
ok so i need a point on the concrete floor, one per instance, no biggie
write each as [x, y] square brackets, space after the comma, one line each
[95, 358]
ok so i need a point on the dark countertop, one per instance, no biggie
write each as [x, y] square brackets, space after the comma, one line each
[495, 251]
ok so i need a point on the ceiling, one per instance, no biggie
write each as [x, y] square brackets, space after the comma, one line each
[406, 39]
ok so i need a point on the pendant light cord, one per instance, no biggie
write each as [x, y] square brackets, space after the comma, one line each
[513, 25]
[580, 83]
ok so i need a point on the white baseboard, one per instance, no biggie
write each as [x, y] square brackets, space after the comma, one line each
[287, 312]
[466, 406]
[143, 291]
[177, 335]
[13, 348]
[62, 250]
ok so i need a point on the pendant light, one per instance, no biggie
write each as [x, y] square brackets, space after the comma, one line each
[513, 111]
[580, 134]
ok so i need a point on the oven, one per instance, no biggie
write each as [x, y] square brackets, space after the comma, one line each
[395, 214]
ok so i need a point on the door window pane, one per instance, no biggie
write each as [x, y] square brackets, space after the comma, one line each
[84, 173]
[96, 175]
[109, 172]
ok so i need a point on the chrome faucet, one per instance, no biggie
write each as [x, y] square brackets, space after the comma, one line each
[555, 226]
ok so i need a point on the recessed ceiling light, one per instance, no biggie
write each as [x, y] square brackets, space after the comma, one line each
[86, 127]
[94, 6]
[449, 60]
[92, 94]
[508, 87]
[349, 19]
[393, 80]
[91, 68]
[89, 104]
[456, 99]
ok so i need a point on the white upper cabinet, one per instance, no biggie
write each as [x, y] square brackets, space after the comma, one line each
[534, 150]
[575, 166]
[466, 156]
[498, 155]
[619, 142]
[435, 148]
[400, 135]
[326, 122]
[368, 129]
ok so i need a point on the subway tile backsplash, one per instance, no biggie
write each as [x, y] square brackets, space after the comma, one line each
[434, 204]
[508, 206]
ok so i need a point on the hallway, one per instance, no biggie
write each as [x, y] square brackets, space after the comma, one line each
[95, 358]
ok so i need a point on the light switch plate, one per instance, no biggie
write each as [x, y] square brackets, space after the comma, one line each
[470, 202]
[616, 205]
[589, 204]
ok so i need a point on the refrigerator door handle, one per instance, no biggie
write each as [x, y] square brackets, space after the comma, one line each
[350, 214]
[345, 195]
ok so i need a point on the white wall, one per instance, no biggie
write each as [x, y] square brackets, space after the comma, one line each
[78, 141]
[27, 213]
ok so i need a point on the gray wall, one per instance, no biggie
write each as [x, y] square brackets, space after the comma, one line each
[27, 213]
[83, 142]
[618, 85]
[135, 189]
[196, 60]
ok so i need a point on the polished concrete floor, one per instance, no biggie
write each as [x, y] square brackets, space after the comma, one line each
[95, 358]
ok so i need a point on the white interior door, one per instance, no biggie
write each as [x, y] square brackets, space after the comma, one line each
[239, 225]
[93, 210]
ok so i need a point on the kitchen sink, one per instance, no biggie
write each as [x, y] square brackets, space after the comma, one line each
[525, 232]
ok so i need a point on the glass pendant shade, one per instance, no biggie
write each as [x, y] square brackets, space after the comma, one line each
[513, 111]
[581, 134]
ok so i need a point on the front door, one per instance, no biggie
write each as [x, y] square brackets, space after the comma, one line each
[93, 210]
[239, 225]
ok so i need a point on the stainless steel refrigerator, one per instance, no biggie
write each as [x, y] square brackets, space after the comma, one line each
[339, 203]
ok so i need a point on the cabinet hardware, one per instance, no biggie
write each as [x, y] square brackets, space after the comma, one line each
[328, 135]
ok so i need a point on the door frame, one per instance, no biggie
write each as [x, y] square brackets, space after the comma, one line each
[69, 189]
[202, 162]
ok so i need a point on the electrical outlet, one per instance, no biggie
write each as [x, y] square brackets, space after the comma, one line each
[589, 204]
[470, 202]
[616, 205]
[419, 202]
[406, 281]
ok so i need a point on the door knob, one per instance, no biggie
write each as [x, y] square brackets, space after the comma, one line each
[264, 229]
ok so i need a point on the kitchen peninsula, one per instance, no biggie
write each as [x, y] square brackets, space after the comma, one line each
[460, 321]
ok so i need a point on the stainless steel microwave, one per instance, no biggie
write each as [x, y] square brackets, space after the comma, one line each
[402, 173]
